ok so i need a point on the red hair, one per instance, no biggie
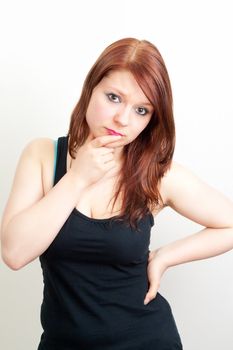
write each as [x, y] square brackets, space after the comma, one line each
[149, 156]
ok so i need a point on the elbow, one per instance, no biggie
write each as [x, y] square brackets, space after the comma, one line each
[10, 262]
[12, 265]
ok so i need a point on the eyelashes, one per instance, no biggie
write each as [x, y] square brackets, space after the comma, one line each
[142, 108]
[111, 97]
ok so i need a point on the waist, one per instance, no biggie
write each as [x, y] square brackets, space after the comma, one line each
[104, 327]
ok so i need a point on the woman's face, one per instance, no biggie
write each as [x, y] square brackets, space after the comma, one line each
[119, 104]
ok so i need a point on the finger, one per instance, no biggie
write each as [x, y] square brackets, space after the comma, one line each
[151, 255]
[107, 158]
[151, 294]
[106, 150]
[105, 140]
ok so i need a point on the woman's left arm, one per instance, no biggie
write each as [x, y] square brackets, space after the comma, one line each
[191, 197]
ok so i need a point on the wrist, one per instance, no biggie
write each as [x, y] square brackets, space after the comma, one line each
[160, 255]
[77, 184]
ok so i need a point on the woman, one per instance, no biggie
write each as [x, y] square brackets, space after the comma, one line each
[89, 221]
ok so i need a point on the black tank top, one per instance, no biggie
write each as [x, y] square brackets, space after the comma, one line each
[95, 282]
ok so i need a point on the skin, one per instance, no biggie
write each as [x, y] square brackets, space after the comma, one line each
[181, 189]
[194, 199]
[127, 114]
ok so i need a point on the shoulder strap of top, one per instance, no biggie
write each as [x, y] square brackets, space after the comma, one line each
[60, 149]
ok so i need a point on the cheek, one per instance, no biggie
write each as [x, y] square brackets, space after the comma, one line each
[140, 126]
[98, 112]
[137, 130]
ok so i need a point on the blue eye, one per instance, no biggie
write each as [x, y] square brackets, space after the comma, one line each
[142, 109]
[112, 97]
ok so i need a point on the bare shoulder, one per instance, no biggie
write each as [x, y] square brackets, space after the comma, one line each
[178, 177]
[29, 180]
[45, 150]
[185, 192]
[42, 145]
[166, 182]
[41, 149]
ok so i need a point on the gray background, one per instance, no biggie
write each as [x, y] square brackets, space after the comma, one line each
[47, 48]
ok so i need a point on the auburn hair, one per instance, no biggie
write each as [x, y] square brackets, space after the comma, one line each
[149, 156]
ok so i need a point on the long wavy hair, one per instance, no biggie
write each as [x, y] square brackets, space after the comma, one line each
[147, 158]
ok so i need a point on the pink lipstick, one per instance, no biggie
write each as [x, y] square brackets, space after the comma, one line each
[113, 132]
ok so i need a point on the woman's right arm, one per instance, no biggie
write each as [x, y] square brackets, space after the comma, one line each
[31, 220]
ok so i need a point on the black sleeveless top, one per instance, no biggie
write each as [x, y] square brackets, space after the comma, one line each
[95, 282]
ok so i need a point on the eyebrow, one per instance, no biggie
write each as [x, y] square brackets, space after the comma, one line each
[125, 95]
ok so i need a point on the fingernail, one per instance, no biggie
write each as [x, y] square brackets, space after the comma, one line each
[145, 302]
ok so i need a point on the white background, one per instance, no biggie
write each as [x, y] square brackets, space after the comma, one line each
[47, 48]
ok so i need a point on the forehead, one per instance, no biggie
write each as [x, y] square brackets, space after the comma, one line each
[123, 81]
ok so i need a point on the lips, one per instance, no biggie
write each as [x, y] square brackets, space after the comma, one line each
[113, 132]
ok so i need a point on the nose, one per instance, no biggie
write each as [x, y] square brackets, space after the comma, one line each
[122, 115]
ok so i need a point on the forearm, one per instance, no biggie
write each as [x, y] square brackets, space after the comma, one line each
[204, 244]
[29, 233]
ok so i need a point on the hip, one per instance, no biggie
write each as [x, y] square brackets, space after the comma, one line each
[153, 328]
